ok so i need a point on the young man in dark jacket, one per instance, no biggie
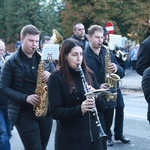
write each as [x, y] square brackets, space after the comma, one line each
[95, 58]
[19, 80]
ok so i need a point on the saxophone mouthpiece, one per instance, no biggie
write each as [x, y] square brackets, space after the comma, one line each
[106, 41]
[33, 48]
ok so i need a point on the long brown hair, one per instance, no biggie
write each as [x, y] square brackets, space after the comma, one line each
[67, 45]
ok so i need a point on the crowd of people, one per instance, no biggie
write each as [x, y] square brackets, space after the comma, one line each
[75, 113]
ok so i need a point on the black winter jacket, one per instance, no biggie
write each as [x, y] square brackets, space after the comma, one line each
[97, 65]
[66, 109]
[146, 88]
[142, 63]
[143, 60]
[12, 83]
[84, 41]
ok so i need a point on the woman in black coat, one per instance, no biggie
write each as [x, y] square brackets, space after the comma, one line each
[76, 128]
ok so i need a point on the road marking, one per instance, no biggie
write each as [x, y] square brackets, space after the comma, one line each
[135, 115]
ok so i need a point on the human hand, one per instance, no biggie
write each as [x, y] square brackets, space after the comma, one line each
[87, 105]
[90, 88]
[113, 67]
[45, 76]
[33, 100]
[104, 86]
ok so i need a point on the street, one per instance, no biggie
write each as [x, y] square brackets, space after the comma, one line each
[136, 126]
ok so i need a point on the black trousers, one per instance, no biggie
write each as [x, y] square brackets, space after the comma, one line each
[34, 131]
[119, 115]
[133, 64]
[109, 113]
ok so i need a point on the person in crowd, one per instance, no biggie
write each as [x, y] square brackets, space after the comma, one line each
[126, 49]
[19, 81]
[45, 40]
[79, 34]
[105, 37]
[146, 89]
[2, 51]
[121, 57]
[76, 128]
[95, 58]
[18, 44]
[142, 68]
[143, 60]
[49, 64]
[6, 55]
[133, 55]
[5, 123]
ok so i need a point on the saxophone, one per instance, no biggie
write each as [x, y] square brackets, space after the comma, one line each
[110, 78]
[41, 91]
[41, 88]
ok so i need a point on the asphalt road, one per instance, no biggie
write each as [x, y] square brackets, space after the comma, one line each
[136, 126]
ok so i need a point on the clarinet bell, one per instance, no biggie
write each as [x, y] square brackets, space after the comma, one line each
[102, 135]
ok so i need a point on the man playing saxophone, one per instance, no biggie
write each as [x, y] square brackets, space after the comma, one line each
[18, 84]
[95, 57]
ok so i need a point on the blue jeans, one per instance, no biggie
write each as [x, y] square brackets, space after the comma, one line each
[5, 128]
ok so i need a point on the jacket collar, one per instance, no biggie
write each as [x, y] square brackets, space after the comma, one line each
[17, 55]
[75, 37]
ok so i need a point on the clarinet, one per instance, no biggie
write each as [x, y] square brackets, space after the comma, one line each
[86, 89]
